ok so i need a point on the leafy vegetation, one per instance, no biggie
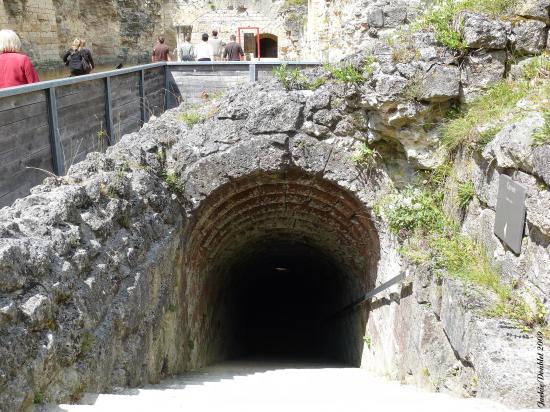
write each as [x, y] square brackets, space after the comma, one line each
[38, 398]
[88, 340]
[543, 135]
[441, 16]
[477, 123]
[295, 79]
[191, 118]
[294, 3]
[365, 156]
[466, 193]
[173, 183]
[367, 340]
[346, 74]
[433, 238]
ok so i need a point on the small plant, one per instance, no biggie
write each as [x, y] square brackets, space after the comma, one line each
[294, 3]
[365, 156]
[369, 62]
[295, 79]
[413, 89]
[88, 340]
[77, 392]
[191, 118]
[542, 136]
[486, 136]
[172, 307]
[173, 183]
[404, 54]
[345, 74]
[368, 341]
[425, 372]
[414, 209]
[464, 130]
[38, 398]
[440, 18]
[466, 193]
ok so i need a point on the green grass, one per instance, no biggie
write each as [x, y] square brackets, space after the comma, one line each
[173, 183]
[466, 193]
[347, 73]
[368, 341]
[416, 214]
[476, 124]
[441, 15]
[38, 398]
[464, 130]
[294, 3]
[414, 209]
[88, 340]
[294, 79]
[365, 156]
[172, 307]
[191, 118]
[542, 136]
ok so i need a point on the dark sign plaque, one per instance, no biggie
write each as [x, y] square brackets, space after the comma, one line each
[510, 213]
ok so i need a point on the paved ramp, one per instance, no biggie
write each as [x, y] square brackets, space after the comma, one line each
[247, 386]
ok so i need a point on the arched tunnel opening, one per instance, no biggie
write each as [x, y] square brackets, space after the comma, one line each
[268, 46]
[270, 260]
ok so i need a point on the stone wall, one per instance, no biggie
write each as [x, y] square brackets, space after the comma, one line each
[126, 31]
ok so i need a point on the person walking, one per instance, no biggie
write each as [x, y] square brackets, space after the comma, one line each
[87, 54]
[74, 60]
[187, 51]
[217, 45]
[16, 68]
[161, 52]
[204, 50]
[233, 50]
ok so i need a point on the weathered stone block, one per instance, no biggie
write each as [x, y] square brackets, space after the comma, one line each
[529, 36]
[481, 32]
[440, 84]
[375, 17]
[479, 71]
[534, 9]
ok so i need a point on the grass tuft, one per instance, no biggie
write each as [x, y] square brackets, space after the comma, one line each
[365, 156]
[440, 18]
[542, 136]
[466, 193]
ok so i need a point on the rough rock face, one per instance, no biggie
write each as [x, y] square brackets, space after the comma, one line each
[482, 32]
[111, 276]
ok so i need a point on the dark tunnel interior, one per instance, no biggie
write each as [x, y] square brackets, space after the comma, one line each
[283, 302]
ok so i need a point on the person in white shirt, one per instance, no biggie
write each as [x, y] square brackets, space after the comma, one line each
[204, 50]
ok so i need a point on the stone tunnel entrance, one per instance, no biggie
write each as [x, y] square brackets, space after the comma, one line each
[268, 46]
[270, 259]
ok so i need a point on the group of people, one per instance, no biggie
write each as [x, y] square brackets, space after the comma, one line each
[208, 49]
[16, 68]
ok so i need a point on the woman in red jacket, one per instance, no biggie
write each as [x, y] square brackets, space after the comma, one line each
[15, 67]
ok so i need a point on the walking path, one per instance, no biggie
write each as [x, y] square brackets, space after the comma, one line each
[257, 387]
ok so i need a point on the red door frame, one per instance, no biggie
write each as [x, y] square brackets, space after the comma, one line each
[257, 37]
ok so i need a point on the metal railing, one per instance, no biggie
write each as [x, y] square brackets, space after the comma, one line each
[105, 117]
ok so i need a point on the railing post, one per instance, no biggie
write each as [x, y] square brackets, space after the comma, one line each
[58, 162]
[166, 88]
[142, 94]
[109, 112]
[253, 72]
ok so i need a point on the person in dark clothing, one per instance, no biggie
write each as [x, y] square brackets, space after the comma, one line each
[73, 58]
[233, 50]
[161, 52]
[87, 54]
